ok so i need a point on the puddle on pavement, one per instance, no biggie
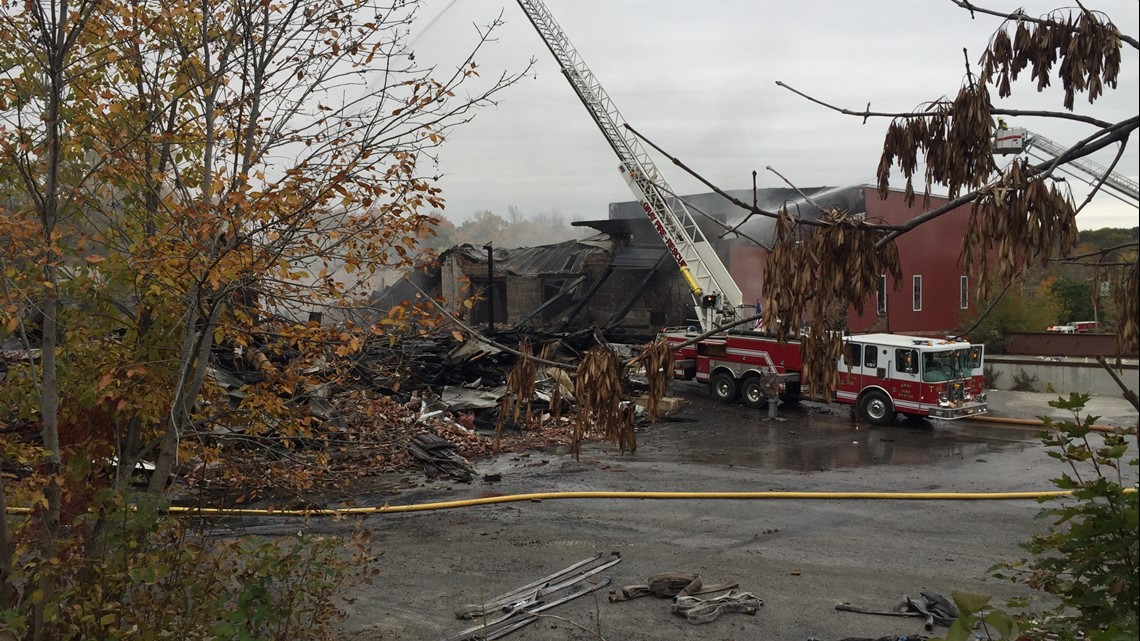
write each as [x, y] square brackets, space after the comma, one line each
[807, 442]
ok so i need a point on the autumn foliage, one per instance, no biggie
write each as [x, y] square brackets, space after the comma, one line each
[183, 182]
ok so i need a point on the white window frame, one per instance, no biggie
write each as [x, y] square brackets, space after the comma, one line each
[916, 292]
[964, 292]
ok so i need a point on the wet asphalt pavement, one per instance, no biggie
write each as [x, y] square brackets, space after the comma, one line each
[800, 557]
[815, 438]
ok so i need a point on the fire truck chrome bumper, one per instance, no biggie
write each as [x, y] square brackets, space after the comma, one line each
[962, 411]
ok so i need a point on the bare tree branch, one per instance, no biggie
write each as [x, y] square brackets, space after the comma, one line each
[1100, 252]
[716, 221]
[1128, 394]
[754, 210]
[798, 191]
[867, 113]
[1024, 17]
[984, 314]
[1100, 181]
[1119, 132]
[482, 338]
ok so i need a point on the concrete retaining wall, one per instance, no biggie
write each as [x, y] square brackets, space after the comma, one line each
[1061, 375]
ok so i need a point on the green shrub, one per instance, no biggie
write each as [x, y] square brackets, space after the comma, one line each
[126, 571]
[1088, 559]
[977, 613]
[1023, 381]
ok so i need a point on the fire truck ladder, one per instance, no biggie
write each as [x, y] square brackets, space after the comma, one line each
[1047, 150]
[718, 298]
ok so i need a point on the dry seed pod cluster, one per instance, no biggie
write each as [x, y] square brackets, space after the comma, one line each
[1126, 295]
[657, 359]
[1016, 220]
[520, 390]
[954, 138]
[1085, 47]
[1085, 42]
[821, 352]
[813, 274]
[784, 281]
[598, 390]
[1019, 217]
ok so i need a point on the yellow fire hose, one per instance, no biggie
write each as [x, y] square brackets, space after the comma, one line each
[731, 496]
[551, 496]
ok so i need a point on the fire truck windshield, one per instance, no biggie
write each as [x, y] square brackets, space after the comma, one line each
[943, 366]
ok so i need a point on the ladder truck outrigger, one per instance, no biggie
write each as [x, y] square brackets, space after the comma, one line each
[882, 375]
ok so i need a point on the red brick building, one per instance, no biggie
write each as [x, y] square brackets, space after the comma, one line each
[934, 293]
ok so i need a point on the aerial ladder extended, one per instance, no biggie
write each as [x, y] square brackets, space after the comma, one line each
[1016, 140]
[718, 298]
[752, 365]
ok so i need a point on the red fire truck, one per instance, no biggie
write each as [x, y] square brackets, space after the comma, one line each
[1075, 327]
[882, 375]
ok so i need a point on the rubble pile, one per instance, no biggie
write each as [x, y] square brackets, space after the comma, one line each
[429, 403]
[432, 404]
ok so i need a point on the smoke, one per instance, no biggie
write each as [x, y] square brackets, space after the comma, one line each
[848, 197]
[511, 231]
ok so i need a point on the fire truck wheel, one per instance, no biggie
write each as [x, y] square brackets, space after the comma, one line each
[753, 394]
[876, 408]
[724, 387]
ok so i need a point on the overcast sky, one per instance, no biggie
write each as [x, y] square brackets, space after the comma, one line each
[698, 78]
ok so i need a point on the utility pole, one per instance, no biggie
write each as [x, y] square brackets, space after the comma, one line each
[490, 289]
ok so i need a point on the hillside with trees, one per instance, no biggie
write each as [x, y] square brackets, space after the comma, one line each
[1059, 292]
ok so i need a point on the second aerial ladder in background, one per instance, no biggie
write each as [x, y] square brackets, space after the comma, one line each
[1017, 140]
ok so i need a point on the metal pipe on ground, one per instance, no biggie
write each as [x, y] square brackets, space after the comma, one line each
[1035, 422]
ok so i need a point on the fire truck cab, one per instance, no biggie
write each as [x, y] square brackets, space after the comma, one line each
[883, 375]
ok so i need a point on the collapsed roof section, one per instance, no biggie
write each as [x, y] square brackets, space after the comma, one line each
[619, 278]
[603, 281]
[560, 258]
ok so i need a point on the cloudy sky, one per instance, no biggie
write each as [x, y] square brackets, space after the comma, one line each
[698, 78]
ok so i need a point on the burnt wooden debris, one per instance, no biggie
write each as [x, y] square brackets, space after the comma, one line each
[440, 458]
